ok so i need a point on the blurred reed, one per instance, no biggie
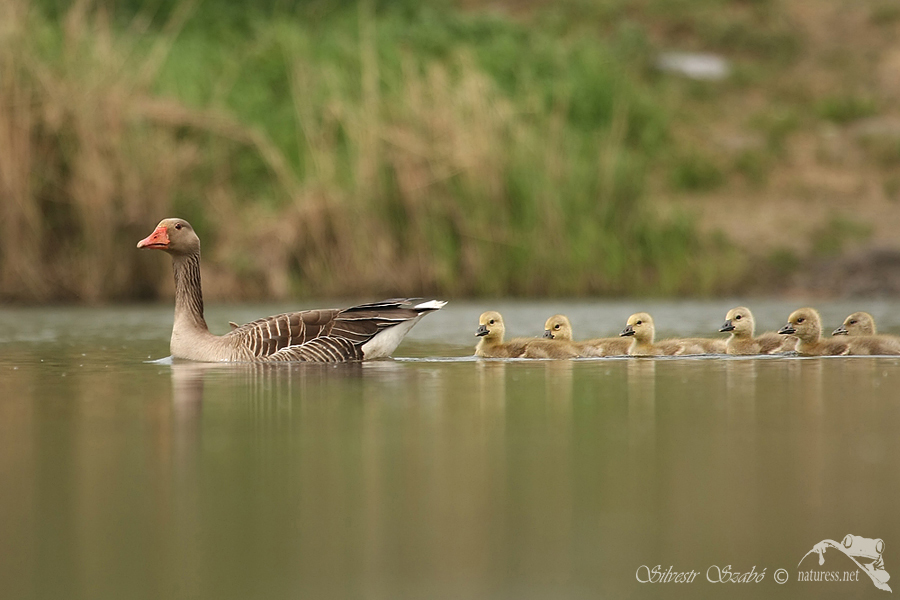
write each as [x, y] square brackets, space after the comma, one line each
[364, 154]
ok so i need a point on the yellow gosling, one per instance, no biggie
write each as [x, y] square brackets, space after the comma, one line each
[739, 321]
[642, 331]
[491, 345]
[558, 327]
[548, 348]
[862, 324]
[806, 325]
[859, 323]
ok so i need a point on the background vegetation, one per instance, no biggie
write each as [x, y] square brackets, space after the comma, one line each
[389, 148]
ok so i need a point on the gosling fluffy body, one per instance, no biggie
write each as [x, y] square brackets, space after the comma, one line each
[806, 325]
[641, 329]
[491, 345]
[558, 327]
[742, 341]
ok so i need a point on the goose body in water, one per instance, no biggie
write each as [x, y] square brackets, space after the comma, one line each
[360, 332]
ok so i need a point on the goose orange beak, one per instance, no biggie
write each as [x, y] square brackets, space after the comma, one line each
[158, 239]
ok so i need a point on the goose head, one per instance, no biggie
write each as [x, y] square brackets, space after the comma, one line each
[739, 321]
[175, 236]
[639, 325]
[805, 324]
[558, 327]
[490, 326]
[859, 323]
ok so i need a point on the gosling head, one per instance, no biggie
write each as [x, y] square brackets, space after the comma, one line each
[805, 324]
[639, 325]
[490, 326]
[739, 321]
[859, 323]
[558, 327]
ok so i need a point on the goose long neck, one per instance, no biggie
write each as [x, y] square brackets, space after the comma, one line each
[188, 292]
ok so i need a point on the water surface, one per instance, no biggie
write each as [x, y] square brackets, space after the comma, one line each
[434, 475]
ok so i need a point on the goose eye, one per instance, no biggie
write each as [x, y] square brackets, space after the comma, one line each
[556, 326]
[853, 322]
[491, 322]
[737, 318]
[177, 225]
[800, 320]
[638, 323]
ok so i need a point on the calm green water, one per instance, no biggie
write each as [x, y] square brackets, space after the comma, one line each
[434, 475]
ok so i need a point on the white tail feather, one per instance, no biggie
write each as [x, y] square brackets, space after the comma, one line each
[431, 305]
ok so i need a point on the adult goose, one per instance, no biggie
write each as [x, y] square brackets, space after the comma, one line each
[332, 335]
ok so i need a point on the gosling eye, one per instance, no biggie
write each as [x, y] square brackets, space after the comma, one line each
[737, 317]
[491, 322]
[638, 323]
[853, 322]
[556, 326]
[177, 225]
[800, 320]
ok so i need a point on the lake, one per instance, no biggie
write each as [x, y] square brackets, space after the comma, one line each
[435, 474]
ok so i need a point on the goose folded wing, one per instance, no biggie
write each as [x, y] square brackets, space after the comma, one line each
[321, 349]
[265, 337]
[362, 323]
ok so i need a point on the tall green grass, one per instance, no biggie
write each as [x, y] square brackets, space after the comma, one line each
[365, 150]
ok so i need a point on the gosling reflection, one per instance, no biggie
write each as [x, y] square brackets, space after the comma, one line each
[491, 377]
[558, 381]
[740, 390]
[641, 403]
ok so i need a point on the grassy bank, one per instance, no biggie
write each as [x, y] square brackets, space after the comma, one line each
[361, 150]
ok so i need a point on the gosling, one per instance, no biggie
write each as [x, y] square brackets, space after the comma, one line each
[739, 321]
[806, 325]
[558, 327]
[859, 323]
[491, 345]
[640, 327]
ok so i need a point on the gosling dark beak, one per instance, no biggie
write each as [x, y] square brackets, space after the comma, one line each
[840, 331]
[629, 330]
[548, 334]
[787, 330]
[482, 331]
[728, 326]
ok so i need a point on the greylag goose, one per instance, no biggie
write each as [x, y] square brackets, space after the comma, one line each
[332, 335]
[806, 325]
[739, 321]
[558, 327]
[859, 323]
[640, 327]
